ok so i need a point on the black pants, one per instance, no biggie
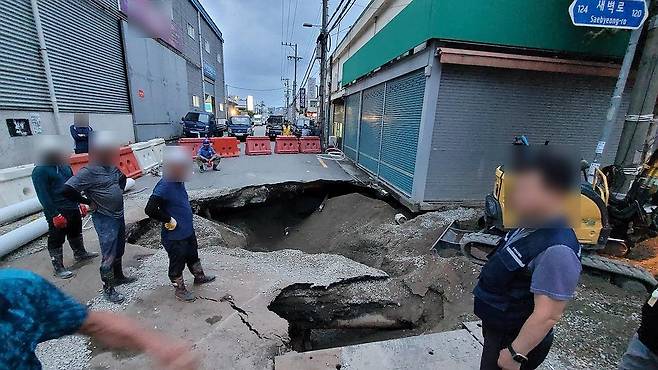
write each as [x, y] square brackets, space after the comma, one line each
[496, 339]
[72, 232]
[181, 253]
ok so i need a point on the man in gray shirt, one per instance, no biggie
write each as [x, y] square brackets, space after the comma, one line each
[102, 184]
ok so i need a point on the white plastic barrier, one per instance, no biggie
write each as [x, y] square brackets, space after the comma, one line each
[16, 184]
[158, 146]
[145, 156]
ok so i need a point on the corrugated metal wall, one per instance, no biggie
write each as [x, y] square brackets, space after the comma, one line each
[404, 105]
[22, 78]
[372, 109]
[480, 110]
[350, 141]
[86, 56]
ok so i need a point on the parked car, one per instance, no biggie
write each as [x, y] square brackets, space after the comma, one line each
[202, 124]
[274, 126]
[240, 127]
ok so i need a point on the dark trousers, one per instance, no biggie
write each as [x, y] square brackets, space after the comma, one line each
[496, 339]
[181, 253]
[111, 237]
[72, 232]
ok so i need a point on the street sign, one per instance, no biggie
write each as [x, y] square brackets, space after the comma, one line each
[302, 98]
[622, 14]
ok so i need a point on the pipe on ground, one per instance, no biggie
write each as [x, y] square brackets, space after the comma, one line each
[22, 235]
[19, 210]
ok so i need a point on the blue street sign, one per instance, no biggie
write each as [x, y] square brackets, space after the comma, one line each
[623, 14]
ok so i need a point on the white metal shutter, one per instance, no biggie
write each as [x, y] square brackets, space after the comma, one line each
[22, 78]
[370, 130]
[86, 56]
[350, 141]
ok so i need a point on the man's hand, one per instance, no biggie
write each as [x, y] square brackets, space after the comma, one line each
[506, 362]
[171, 225]
[84, 210]
[60, 221]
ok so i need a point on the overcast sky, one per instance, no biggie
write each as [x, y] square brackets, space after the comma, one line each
[253, 31]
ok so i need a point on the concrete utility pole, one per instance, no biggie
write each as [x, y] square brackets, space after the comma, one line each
[295, 59]
[640, 116]
[285, 83]
[322, 40]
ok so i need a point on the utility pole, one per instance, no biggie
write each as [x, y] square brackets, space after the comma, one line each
[322, 40]
[295, 59]
[640, 116]
[285, 83]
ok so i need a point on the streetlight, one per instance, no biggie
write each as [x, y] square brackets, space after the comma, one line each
[311, 25]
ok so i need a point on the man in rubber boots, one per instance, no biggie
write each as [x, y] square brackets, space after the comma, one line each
[206, 154]
[102, 184]
[33, 311]
[170, 205]
[64, 216]
[524, 287]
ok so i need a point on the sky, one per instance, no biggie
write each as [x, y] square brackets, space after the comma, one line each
[255, 61]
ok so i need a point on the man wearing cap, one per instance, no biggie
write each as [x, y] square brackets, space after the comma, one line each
[170, 205]
[528, 280]
[64, 216]
[207, 154]
[102, 184]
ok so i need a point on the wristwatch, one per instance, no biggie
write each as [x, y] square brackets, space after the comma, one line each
[522, 359]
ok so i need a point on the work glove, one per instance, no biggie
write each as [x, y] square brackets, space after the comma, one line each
[59, 221]
[171, 225]
[84, 210]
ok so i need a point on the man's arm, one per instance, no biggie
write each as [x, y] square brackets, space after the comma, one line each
[70, 193]
[155, 209]
[42, 188]
[119, 332]
[123, 180]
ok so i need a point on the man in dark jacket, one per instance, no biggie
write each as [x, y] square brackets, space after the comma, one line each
[64, 216]
[103, 184]
[170, 205]
[528, 280]
[80, 132]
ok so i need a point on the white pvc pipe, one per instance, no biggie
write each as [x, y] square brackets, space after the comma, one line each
[16, 238]
[19, 210]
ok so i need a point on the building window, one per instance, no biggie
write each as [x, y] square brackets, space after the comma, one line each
[196, 101]
[190, 31]
[206, 45]
[221, 107]
[219, 58]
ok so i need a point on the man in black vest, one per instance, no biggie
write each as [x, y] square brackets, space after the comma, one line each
[526, 284]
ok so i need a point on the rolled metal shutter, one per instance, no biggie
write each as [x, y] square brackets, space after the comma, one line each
[350, 141]
[401, 127]
[23, 83]
[86, 56]
[370, 131]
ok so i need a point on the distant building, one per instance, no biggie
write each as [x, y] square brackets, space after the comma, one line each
[133, 68]
[428, 102]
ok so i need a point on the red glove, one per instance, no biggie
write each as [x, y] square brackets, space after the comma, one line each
[84, 210]
[59, 221]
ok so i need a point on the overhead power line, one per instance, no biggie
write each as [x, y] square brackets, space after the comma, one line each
[251, 89]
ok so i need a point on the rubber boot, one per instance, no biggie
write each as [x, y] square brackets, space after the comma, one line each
[181, 291]
[79, 252]
[111, 295]
[199, 276]
[202, 168]
[57, 259]
[119, 277]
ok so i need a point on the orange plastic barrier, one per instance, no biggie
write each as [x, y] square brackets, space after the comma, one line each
[191, 144]
[78, 161]
[226, 146]
[128, 163]
[258, 145]
[310, 144]
[286, 145]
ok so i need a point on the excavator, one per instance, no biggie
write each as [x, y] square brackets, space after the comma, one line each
[607, 225]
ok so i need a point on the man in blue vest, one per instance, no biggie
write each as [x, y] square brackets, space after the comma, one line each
[526, 284]
[206, 154]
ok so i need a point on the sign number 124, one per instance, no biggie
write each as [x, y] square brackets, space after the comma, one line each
[583, 8]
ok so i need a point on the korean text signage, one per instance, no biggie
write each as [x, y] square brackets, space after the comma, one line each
[302, 98]
[622, 14]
